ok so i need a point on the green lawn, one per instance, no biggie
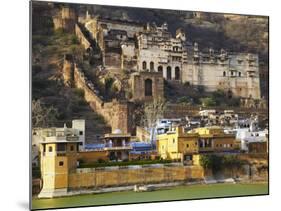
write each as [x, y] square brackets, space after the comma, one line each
[174, 193]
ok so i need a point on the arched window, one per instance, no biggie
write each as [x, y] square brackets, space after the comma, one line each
[160, 69]
[224, 73]
[148, 87]
[177, 73]
[229, 94]
[239, 74]
[144, 65]
[169, 73]
[151, 66]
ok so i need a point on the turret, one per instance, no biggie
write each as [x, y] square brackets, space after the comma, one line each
[180, 34]
[58, 153]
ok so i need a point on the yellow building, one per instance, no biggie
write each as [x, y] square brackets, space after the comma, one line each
[214, 139]
[187, 146]
[58, 153]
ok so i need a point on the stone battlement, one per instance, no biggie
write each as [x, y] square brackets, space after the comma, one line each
[117, 114]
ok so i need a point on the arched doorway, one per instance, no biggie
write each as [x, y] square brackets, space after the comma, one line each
[144, 65]
[229, 94]
[148, 87]
[177, 73]
[160, 69]
[151, 66]
[169, 73]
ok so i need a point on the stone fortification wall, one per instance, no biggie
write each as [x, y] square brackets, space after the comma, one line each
[117, 114]
[93, 178]
[81, 37]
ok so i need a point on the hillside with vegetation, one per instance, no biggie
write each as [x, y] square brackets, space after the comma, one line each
[52, 103]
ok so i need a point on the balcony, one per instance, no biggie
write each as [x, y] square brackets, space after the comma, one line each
[60, 139]
[118, 148]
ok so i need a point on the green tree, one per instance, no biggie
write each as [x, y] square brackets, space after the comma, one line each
[207, 101]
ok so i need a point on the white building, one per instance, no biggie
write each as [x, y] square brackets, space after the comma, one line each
[39, 134]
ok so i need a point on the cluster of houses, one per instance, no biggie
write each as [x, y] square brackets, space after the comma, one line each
[182, 140]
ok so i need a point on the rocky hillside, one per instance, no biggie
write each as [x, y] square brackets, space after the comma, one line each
[48, 90]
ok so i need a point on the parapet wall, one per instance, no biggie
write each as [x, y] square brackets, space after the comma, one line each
[82, 39]
[89, 178]
[117, 114]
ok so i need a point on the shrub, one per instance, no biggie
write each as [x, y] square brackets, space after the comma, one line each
[101, 160]
[74, 39]
[207, 101]
[213, 162]
[79, 92]
[183, 99]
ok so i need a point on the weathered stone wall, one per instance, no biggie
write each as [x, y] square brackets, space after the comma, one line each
[138, 80]
[92, 156]
[65, 19]
[117, 114]
[81, 37]
[239, 73]
[112, 59]
[91, 178]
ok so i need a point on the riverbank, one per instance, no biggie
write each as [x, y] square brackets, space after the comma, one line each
[172, 193]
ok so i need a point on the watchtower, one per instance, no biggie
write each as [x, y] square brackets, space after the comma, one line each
[58, 151]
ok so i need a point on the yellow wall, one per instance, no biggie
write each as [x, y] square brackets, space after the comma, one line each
[56, 176]
[92, 156]
[174, 145]
[119, 177]
[224, 143]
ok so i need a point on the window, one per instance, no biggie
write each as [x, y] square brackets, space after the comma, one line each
[148, 87]
[230, 145]
[61, 163]
[239, 74]
[71, 148]
[173, 140]
[61, 147]
[231, 73]
[177, 73]
[144, 65]
[187, 145]
[160, 69]
[169, 73]
[81, 133]
[50, 149]
[224, 73]
[151, 66]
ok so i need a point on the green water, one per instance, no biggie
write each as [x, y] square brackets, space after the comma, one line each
[174, 193]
